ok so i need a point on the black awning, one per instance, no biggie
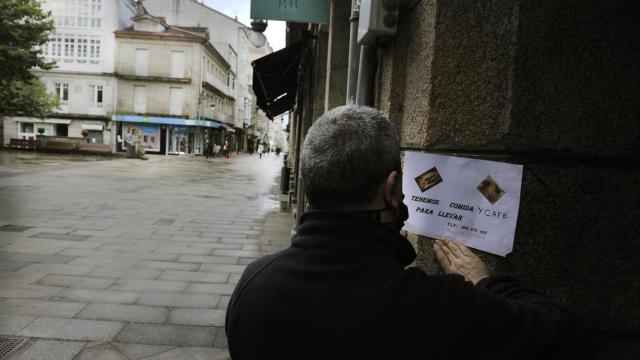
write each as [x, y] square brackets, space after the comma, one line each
[275, 79]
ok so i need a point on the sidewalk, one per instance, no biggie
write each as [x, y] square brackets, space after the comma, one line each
[130, 259]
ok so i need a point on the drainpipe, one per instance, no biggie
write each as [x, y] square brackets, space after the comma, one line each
[366, 72]
[354, 53]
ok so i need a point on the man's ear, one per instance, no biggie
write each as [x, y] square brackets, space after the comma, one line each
[391, 185]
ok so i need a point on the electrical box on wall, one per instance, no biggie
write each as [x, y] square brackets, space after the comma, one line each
[378, 18]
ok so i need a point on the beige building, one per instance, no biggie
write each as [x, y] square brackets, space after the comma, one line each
[174, 93]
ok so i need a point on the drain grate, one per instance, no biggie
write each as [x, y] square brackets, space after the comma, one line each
[9, 344]
[15, 228]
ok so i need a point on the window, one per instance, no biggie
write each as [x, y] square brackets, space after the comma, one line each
[83, 47]
[142, 62]
[62, 130]
[175, 101]
[140, 99]
[96, 95]
[177, 64]
[69, 47]
[62, 91]
[94, 48]
[26, 127]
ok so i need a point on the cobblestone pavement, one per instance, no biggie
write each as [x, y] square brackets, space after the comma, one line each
[130, 259]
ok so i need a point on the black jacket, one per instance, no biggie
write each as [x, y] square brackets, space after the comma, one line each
[342, 291]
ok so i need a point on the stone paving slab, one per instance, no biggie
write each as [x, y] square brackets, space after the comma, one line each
[139, 351]
[11, 324]
[103, 351]
[48, 350]
[120, 312]
[29, 291]
[207, 277]
[57, 236]
[204, 288]
[208, 259]
[179, 300]
[58, 269]
[194, 316]
[41, 258]
[150, 285]
[195, 353]
[72, 329]
[168, 265]
[129, 273]
[77, 281]
[176, 335]
[40, 307]
[98, 296]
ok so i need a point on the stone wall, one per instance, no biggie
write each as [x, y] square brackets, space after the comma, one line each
[552, 85]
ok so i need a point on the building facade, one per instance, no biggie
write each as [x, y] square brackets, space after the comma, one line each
[174, 89]
[233, 40]
[82, 45]
[548, 85]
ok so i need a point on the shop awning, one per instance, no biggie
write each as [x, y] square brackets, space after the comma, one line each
[275, 79]
[229, 128]
[165, 121]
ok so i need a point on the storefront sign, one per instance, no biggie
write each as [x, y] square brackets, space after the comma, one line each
[475, 202]
[92, 127]
[147, 135]
[306, 11]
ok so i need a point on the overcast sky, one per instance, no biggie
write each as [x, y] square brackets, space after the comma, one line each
[276, 31]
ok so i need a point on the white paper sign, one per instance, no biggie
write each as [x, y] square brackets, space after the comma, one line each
[473, 201]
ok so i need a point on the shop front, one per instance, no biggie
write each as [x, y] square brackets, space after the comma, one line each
[165, 135]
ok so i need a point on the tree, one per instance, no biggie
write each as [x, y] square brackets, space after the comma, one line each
[26, 98]
[24, 28]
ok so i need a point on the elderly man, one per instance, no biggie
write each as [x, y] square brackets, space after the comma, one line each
[343, 289]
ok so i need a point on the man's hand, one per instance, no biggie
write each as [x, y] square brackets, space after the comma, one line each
[456, 258]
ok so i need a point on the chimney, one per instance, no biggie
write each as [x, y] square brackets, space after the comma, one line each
[140, 10]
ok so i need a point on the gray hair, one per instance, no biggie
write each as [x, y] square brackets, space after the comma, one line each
[347, 153]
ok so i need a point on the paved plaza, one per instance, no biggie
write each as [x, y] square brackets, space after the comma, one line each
[104, 258]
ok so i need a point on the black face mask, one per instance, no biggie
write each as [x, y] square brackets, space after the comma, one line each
[376, 215]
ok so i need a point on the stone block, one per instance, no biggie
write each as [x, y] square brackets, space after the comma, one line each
[106, 262]
[140, 351]
[42, 258]
[129, 273]
[175, 335]
[91, 253]
[205, 288]
[58, 269]
[57, 236]
[76, 281]
[40, 307]
[179, 300]
[208, 259]
[98, 296]
[150, 285]
[119, 312]
[29, 291]
[222, 268]
[167, 265]
[103, 351]
[48, 349]
[193, 276]
[149, 256]
[192, 353]
[11, 324]
[72, 329]
[183, 250]
[194, 316]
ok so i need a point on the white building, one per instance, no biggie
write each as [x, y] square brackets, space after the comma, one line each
[231, 38]
[83, 45]
[174, 93]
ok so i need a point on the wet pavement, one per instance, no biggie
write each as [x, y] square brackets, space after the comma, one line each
[107, 258]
